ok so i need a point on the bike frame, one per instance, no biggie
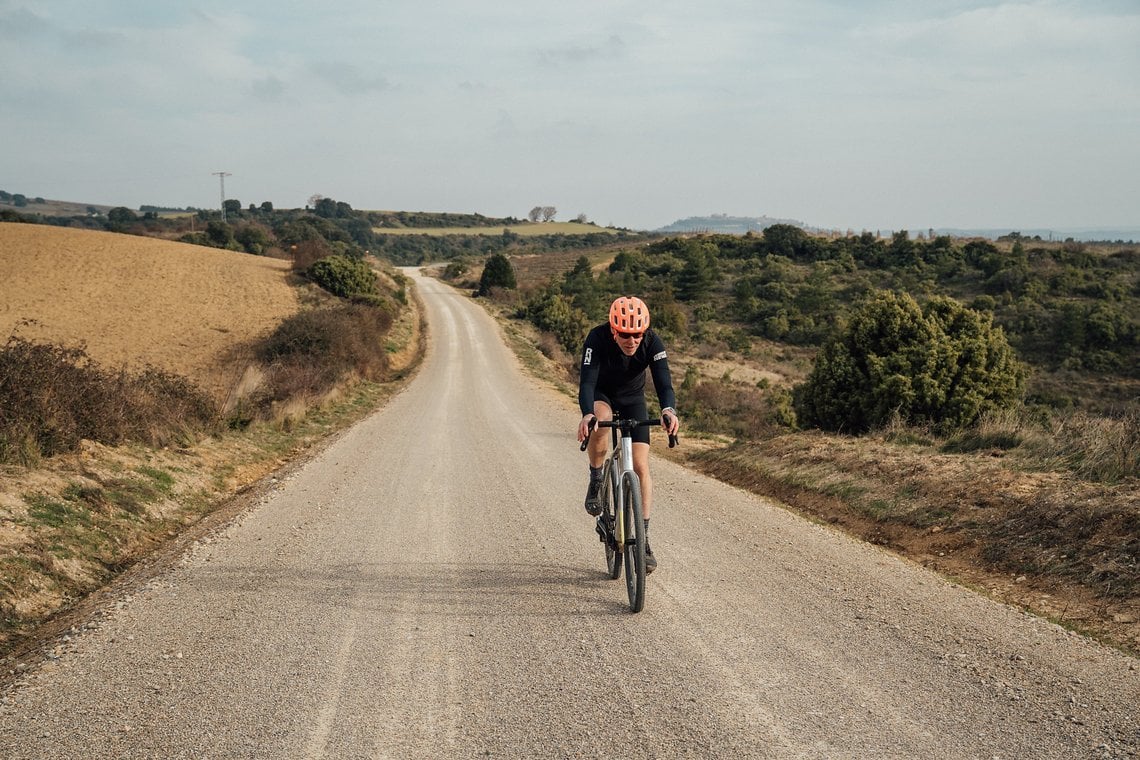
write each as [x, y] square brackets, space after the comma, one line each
[621, 459]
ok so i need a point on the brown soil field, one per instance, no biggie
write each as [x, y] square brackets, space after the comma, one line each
[135, 301]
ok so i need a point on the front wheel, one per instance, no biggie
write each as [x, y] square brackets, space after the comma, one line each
[609, 516]
[634, 547]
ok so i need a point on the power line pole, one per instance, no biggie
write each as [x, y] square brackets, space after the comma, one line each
[222, 178]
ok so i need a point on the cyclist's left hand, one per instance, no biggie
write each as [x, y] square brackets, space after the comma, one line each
[670, 422]
[584, 427]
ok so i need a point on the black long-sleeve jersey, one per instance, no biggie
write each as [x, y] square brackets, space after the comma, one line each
[607, 370]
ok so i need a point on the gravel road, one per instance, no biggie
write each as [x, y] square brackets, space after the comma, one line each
[430, 586]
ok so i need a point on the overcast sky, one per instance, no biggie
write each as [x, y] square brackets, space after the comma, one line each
[862, 114]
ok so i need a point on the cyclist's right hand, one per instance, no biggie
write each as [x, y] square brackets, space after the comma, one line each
[584, 427]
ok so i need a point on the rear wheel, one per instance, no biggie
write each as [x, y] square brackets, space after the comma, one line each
[634, 548]
[609, 515]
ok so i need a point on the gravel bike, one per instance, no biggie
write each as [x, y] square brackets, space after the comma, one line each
[621, 525]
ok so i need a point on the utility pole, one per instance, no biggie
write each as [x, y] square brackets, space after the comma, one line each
[222, 178]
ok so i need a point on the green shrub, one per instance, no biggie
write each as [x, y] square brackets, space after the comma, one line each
[555, 313]
[343, 276]
[252, 238]
[498, 273]
[196, 238]
[944, 364]
[221, 235]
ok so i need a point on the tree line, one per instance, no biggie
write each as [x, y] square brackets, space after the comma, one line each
[937, 331]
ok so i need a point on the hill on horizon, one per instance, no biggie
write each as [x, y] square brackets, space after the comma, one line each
[725, 224]
[740, 225]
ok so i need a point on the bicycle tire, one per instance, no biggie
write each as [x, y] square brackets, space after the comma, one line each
[634, 548]
[609, 514]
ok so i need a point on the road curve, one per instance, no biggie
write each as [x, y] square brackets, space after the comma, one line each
[429, 586]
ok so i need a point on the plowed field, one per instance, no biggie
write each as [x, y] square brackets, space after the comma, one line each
[134, 301]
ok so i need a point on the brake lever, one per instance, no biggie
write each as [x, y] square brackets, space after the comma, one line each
[589, 430]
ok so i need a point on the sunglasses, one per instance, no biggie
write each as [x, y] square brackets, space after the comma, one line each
[629, 336]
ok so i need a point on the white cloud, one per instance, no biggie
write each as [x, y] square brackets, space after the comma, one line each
[826, 111]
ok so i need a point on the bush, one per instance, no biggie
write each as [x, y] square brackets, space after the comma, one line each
[343, 276]
[119, 218]
[498, 273]
[52, 397]
[309, 353]
[252, 238]
[308, 252]
[724, 407]
[221, 235]
[944, 365]
[454, 270]
[196, 238]
[555, 313]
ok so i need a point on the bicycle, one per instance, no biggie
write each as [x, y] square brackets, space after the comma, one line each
[624, 539]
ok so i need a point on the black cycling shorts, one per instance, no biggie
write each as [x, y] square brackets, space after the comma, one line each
[628, 409]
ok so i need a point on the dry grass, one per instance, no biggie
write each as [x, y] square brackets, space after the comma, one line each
[1051, 541]
[1093, 447]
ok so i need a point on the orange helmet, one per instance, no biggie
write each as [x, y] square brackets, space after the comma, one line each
[629, 314]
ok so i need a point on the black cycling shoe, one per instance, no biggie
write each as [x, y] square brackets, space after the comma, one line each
[650, 560]
[594, 497]
[604, 527]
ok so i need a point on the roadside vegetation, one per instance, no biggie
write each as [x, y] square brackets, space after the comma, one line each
[99, 465]
[974, 404]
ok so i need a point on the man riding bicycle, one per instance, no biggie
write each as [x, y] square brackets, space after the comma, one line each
[614, 359]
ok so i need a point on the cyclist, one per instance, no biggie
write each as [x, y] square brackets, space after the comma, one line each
[614, 359]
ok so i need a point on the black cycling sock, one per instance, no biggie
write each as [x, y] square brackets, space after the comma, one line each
[595, 473]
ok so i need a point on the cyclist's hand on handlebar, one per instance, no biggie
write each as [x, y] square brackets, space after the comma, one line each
[670, 422]
[585, 426]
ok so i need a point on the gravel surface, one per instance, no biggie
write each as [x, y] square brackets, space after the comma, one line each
[430, 586]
